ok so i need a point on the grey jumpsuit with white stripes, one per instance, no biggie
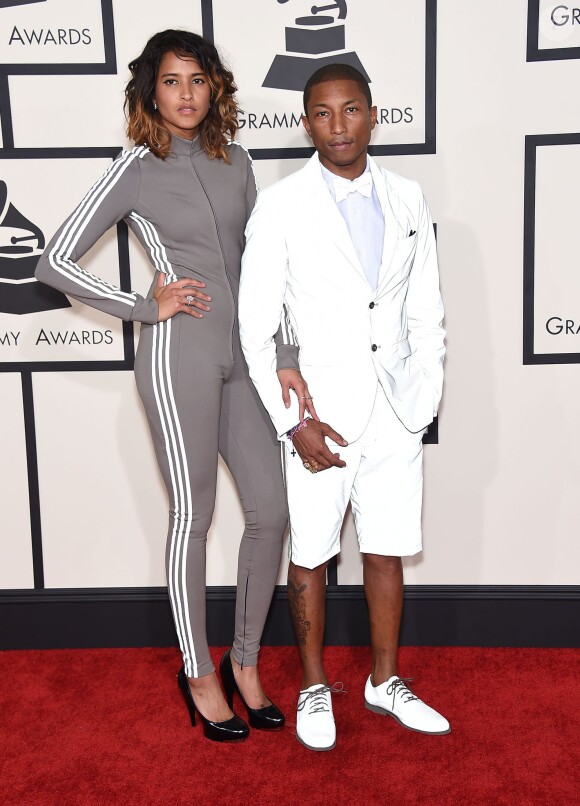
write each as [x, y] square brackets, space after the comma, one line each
[189, 213]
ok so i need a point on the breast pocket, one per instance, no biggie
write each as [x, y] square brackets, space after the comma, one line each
[403, 257]
[406, 246]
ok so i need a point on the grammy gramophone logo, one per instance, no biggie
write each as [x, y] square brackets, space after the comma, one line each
[21, 245]
[315, 40]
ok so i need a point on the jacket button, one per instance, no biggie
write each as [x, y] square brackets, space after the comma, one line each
[374, 348]
[372, 305]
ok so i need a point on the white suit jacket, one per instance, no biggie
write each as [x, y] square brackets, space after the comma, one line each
[300, 266]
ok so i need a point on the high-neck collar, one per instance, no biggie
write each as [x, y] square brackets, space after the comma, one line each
[181, 147]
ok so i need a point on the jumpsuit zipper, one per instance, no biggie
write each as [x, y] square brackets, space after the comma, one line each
[223, 256]
[217, 229]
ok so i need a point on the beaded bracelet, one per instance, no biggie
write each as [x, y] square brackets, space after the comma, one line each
[293, 431]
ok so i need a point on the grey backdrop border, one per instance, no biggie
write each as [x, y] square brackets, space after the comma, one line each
[533, 52]
[11, 3]
[32, 478]
[429, 146]
[533, 142]
[90, 68]
[6, 114]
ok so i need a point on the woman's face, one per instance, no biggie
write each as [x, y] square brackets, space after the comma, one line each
[182, 94]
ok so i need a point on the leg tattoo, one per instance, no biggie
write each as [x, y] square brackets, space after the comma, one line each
[298, 611]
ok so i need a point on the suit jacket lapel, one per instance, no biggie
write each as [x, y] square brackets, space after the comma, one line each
[326, 211]
[390, 205]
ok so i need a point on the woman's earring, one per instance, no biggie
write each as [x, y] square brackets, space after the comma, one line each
[154, 104]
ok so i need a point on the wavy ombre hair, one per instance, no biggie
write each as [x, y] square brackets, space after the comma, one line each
[144, 124]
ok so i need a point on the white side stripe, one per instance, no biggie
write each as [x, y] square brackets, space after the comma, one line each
[156, 248]
[154, 355]
[181, 491]
[59, 256]
[237, 143]
[287, 330]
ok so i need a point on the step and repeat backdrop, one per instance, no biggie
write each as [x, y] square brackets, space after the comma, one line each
[478, 101]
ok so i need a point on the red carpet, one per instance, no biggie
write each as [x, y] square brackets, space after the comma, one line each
[109, 727]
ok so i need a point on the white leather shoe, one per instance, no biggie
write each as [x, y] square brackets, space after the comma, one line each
[394, 698]
[315, 727]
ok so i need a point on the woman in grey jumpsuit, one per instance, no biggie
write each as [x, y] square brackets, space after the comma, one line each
[186, 191]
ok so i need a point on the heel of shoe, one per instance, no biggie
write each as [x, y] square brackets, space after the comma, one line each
[183, 684]
[232, 730]
[228, 679]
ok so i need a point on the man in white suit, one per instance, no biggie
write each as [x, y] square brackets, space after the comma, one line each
[344, 252]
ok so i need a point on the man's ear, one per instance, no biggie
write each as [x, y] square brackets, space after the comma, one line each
[306, 124]
[374, 114]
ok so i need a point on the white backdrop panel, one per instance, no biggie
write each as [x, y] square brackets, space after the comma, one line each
[104, 510]
[57, 32]
[557, 257]
[559, 25]
[45, 191]
[86, 110]
[15, 545]
[395, 64]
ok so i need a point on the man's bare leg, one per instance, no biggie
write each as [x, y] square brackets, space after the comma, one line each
[307, 597]
[383, 578]
[383, 582]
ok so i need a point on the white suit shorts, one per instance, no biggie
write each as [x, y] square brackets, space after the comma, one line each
[383, 480]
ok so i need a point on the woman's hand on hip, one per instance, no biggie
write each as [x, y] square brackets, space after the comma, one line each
[180, 296]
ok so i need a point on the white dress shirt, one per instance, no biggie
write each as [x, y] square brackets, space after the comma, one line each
[364, 219]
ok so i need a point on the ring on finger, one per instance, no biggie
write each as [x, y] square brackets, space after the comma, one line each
[189, 299]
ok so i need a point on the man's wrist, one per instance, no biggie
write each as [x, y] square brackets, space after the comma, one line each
[293, 431]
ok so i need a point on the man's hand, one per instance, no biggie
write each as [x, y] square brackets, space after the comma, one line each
[292, 379]
[313, 450]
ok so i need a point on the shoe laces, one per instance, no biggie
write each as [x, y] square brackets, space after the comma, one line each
[317, 702]
[398, 688]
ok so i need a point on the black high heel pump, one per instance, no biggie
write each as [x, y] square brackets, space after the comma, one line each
[232, 730]
[267, 718]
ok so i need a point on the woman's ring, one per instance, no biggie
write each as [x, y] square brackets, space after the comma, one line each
[189, 299]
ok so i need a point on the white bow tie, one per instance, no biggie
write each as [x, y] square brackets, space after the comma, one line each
[362, 184]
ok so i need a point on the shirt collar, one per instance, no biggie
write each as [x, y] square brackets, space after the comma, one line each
[329, 177]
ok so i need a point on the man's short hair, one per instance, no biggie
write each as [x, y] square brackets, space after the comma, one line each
[336, 72]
